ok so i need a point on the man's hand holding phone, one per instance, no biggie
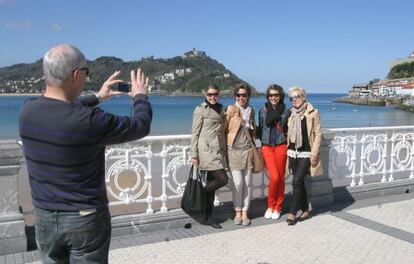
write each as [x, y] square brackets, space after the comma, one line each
[106, 91]
[114, 86]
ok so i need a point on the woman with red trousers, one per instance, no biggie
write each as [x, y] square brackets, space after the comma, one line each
[272, 133]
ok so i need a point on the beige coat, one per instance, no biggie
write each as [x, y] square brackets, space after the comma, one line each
[207, 138]
[313, 124]
[233, 121]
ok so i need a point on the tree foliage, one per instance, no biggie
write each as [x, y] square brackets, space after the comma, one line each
[405, 70]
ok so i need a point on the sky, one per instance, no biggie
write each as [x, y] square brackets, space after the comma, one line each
[324, 46]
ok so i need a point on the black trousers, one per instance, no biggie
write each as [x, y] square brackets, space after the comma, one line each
[215, 180]
[300, 168]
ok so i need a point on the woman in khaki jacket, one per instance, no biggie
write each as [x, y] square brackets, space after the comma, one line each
[208, 146]
[304, 140]
[240, 127]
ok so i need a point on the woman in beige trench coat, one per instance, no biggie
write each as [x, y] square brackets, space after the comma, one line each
[208, 146]
[304, 140]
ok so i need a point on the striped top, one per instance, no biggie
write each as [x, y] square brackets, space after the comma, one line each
[64, 146]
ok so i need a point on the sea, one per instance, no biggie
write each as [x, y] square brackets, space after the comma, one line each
[172, 115]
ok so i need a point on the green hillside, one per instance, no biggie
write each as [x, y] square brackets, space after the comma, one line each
[405, 70]
[189, 75]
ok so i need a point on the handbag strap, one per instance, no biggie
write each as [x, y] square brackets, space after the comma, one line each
[194, 175]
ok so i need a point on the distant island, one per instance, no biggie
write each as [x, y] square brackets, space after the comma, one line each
[188, 74]
[396, 89]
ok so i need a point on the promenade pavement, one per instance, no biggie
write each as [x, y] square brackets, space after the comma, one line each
[378, 230]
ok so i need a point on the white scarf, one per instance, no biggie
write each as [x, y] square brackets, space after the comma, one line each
[246, 113]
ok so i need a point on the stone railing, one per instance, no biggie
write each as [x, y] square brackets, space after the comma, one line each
[156, 168]
[371, 155]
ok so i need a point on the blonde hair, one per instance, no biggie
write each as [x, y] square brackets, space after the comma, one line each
[297, 89]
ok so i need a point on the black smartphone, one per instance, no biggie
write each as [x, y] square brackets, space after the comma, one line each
[122, 87]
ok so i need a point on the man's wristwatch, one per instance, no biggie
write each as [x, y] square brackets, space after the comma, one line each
[98, 97]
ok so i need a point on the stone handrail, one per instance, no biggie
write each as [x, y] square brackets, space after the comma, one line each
[159, 165]
[371, 154]
[158, 168]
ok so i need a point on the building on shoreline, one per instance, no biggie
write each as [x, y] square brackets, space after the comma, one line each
[403, 87]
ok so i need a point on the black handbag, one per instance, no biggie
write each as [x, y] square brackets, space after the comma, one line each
[194, 200]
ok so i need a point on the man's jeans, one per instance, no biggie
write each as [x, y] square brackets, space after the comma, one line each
[69, 237]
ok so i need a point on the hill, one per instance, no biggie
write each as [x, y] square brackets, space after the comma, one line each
[188, 74]
[405, 70]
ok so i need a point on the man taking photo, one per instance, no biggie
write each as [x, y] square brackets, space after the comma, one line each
[64, 138]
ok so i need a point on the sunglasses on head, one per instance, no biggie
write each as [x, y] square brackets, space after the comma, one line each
[241, 95]
[273, 95]
[298, 96]
[212, 94]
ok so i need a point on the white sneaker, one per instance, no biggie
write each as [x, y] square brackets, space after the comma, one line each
[275, 215]
[268, 214]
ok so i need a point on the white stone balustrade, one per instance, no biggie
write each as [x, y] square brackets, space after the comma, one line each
[371, 154]
[157, 166]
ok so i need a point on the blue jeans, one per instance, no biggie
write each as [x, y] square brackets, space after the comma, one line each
[68, 237]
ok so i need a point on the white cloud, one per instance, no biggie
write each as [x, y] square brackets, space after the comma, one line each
[57, 27]
[19, 24]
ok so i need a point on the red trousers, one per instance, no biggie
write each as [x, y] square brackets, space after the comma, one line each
[275, 160]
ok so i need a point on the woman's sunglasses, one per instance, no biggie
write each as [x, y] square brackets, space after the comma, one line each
[241, 95]
[273, 95]
[295, 97]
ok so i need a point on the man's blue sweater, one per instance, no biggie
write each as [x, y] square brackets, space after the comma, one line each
[64, 146]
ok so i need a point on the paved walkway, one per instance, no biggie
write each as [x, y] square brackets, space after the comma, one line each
[379, 230]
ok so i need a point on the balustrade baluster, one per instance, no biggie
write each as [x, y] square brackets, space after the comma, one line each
[148, 178]
[393, 159]
[411, 136]
[164, 175]
[353, 159]
[363, 158]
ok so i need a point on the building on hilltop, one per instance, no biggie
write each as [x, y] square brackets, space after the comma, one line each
[194, 53]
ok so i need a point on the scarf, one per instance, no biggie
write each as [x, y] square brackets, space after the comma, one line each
[295, 132]
[216, 107]
[246, 114]
[273, 114]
